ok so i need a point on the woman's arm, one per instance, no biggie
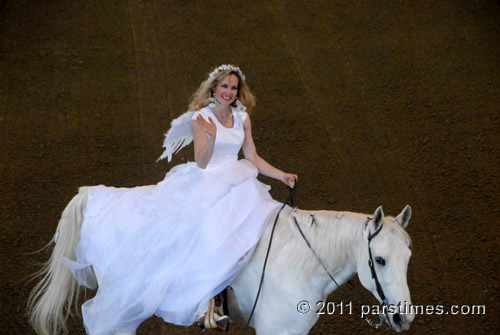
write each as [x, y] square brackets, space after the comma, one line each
[264, 167]
[204, 134]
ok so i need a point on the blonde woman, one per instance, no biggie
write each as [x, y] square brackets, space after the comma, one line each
[167, 249]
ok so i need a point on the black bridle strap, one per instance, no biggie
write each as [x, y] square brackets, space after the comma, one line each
[371, 265]
[380, 291]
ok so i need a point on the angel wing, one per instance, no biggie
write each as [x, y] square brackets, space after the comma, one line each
[178, 136]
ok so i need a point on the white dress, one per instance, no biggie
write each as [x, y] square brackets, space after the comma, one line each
[166, 249]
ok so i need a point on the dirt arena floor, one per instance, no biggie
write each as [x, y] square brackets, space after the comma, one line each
[370, 102]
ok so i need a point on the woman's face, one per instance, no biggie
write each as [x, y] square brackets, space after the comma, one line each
[226, 90]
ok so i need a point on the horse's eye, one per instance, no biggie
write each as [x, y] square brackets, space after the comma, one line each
[380, 260]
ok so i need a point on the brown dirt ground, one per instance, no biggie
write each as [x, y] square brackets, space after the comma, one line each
[370, 102]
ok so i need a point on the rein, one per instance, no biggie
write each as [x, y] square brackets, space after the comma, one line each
[380, 291]
[291, 199]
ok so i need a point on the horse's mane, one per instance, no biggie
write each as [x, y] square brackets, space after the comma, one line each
[329, 233]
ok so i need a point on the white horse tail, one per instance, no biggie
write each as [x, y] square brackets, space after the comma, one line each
[50, 302]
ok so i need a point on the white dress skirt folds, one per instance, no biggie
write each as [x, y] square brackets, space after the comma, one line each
[166, 249]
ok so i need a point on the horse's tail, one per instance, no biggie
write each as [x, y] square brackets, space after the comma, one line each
[50, 302]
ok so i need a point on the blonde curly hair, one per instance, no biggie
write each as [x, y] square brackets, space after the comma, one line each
[202, 96]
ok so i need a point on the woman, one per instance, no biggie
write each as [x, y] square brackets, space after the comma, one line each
[166, 249]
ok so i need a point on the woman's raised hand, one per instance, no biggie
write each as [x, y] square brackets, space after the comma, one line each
[209, 127]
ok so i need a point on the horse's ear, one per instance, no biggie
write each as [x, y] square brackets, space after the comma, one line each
[404, 217]
[378, 217]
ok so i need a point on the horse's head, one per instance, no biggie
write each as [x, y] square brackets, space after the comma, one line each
[383, 264]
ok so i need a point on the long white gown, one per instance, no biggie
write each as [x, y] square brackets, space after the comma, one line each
[166, 249]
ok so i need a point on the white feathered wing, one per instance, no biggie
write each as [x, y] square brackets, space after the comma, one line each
[178, 136]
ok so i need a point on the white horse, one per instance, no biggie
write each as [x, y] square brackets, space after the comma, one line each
[295, 275]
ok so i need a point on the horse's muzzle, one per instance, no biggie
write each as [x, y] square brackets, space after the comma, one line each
[401, 321]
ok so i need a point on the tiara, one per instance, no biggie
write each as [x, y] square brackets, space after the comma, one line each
[226, 67]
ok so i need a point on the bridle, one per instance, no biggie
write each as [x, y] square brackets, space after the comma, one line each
[380, 291]
[378, 286]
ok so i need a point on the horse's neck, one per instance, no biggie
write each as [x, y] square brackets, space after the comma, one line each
[335, 238]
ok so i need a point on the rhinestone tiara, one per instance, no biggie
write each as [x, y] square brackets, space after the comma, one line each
[226, 67]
